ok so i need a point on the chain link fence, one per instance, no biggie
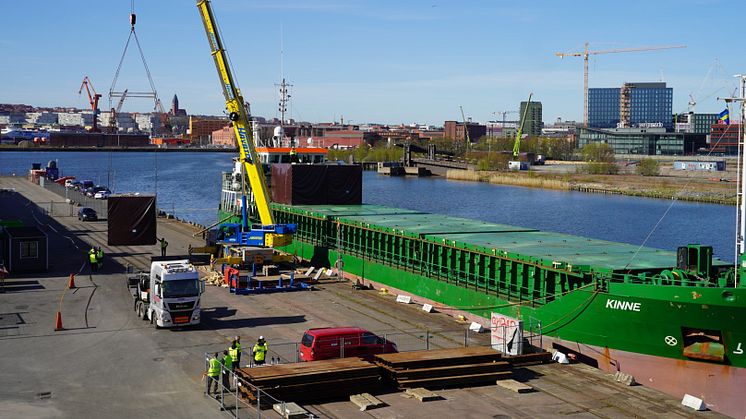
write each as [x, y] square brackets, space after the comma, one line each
[75, 199]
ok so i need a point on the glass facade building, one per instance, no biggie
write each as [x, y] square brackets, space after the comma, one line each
[653, 141]
[603, 107]
[648, 103]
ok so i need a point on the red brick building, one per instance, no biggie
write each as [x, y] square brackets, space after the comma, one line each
[342, 139]
[724, 138]
[455, 131]
[201, 128]
[225, 136]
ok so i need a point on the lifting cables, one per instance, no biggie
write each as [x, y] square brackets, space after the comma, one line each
[152, 94]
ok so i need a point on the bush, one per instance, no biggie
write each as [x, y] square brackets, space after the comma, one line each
[648, 167]
[599, 168]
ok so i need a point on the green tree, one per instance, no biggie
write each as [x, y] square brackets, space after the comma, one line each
[648, 167]
[598, 152]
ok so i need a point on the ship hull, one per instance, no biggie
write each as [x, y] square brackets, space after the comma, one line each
[718, 385]
[632, 336]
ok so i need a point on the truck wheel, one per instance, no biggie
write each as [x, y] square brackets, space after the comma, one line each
[153, 322]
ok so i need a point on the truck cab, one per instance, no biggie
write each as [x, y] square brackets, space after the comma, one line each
[174, 294]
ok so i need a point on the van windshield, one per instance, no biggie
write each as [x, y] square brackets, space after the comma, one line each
[307, 340]
[180, 288]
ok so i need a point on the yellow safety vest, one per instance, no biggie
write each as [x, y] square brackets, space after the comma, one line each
[214, 370]
[92, 257]
[228, 362]
[260, 351]
[233, 352]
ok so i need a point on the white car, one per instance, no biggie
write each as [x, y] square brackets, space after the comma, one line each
[102, 195]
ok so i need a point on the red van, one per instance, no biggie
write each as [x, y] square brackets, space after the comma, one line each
[342, 342]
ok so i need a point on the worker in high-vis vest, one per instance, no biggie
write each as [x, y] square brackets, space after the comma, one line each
[93, 259]
[227, 369]
[260, 350]
[237, 342]
[233, 351]
[99, 259]
[213, 373]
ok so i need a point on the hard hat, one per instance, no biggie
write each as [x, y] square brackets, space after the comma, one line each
[261, 337]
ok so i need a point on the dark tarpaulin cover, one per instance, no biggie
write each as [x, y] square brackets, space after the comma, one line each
[302, 184]
[132, 220]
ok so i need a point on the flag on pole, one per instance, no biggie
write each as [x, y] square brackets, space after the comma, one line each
[724, 117]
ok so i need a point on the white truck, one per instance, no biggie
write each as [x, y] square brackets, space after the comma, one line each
[168, 295]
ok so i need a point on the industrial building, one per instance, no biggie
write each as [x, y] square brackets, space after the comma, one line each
[724, 138]
[200, 129]
[533, 124]
[455, 130]
[632, 105]
[644, 141]
[85, 139]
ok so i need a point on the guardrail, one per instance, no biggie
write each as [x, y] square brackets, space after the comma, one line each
[229, 398]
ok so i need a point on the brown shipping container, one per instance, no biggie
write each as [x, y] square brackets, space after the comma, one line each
[302, 184]
[131, 220]
[82, 139]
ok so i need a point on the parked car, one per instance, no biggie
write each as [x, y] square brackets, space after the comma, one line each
[91, 192]
[85, 185]
[87, 214]
[102, 194]
[74, 185]
[342, 342]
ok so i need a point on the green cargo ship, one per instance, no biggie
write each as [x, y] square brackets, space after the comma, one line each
[671, 319]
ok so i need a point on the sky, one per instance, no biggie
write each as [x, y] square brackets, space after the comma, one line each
[373, 61]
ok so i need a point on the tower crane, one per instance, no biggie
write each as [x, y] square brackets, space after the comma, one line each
[92, 99]
[504, 113]
[586, 53]
[268, 234]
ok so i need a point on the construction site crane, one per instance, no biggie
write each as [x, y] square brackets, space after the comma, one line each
[466, 128]
[271, 234]
[519, 133]
[115, 111]
[504, 113]
[93, 98]
[586, 53]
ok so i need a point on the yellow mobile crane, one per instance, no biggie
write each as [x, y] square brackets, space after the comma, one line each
[516, 164]
[268, 234]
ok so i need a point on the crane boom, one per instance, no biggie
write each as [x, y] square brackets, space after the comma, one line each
[238, 115]
[586, 53]
[466, 128]
[92, 99]
[517, 143]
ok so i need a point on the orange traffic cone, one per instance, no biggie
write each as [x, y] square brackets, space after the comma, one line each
[58, 322]
[71, 283]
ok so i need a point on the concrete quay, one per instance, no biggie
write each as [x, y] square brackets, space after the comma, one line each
[109, 363]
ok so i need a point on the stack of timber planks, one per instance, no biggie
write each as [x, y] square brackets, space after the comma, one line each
[444, 367]
[312, 381]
